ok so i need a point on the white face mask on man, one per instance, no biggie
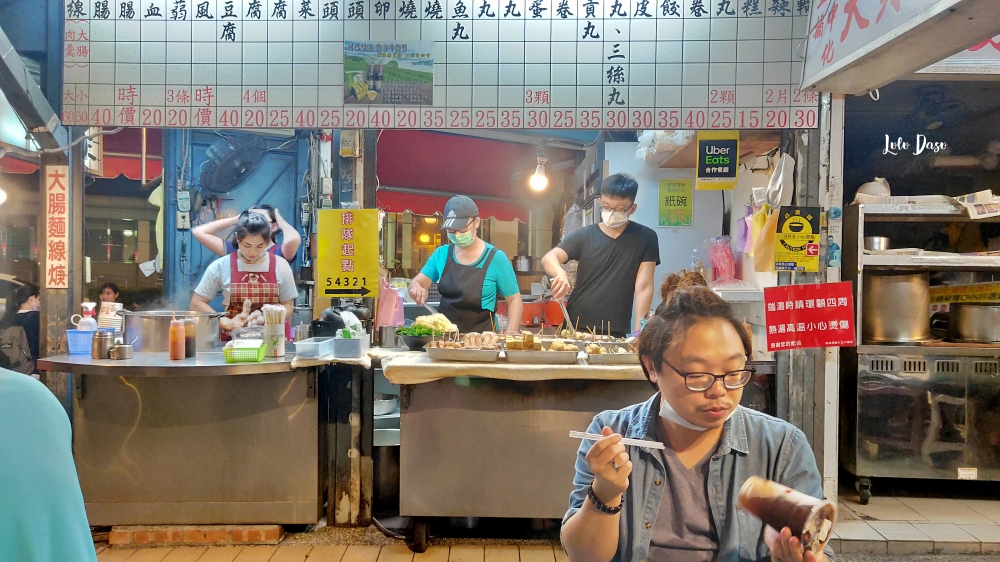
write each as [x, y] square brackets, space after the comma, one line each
[668, 413]
[614, 219]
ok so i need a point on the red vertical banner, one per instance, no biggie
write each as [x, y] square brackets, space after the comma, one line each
[56, 227]
[801, 316]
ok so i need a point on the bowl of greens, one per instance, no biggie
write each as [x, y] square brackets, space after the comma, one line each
[415, 337]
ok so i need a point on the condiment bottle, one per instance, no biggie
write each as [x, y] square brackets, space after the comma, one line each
[176, 339]
[190, 341]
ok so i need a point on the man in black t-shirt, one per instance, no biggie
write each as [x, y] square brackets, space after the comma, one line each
[617, 259]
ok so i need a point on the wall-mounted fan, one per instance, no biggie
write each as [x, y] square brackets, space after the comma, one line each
[230, 162]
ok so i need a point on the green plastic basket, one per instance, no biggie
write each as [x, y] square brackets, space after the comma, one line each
[244, 354]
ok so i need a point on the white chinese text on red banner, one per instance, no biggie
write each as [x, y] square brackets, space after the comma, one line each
[801, 316]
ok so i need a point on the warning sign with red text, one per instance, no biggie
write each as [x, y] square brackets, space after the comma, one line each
[801, 316]
[56, 227]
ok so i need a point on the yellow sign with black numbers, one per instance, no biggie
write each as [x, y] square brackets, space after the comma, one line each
[347, 253]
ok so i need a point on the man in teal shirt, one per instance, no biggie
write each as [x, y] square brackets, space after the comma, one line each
[42, 518]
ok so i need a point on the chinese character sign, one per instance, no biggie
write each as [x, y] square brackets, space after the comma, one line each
[436, 64]
[944, 295]
[676, 203]
[347, 254]
[797, 239]
[801, 316]
[56, 227]
[718, 159]
[853, 46]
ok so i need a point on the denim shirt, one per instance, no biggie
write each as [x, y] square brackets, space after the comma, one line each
[752, 444]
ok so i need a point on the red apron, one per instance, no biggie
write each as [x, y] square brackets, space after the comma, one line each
[261, 287]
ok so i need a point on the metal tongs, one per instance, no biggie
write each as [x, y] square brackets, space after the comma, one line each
[430, 308]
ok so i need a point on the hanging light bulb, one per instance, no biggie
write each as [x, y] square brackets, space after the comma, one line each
[3, 196]
[538, 181]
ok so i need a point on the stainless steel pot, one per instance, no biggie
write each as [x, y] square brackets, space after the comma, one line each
[524, 264]
[876, 243]
[977, 322]
[896, 308]
[151, 329]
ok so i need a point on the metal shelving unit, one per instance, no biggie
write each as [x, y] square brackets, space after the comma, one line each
[923, 411]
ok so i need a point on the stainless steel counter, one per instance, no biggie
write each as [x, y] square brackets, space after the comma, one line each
[158, 364]
[180, 442]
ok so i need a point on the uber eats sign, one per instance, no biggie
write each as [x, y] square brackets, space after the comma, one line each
[718, 159]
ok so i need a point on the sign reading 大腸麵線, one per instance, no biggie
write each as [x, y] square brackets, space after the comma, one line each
[676, 203]
[797, 239]
[718, 159]
[347, 253]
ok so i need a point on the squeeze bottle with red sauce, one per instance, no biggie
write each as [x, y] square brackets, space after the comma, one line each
[176, 339]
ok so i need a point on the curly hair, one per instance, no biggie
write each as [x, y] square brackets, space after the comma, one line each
[686, 300]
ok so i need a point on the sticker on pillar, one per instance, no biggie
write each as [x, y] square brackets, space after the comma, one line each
[797, 239]
[56, 227]
[676, 203]
[718, 159]
[347, 262]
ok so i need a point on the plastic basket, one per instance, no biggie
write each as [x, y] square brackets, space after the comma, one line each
[244, 354]
[78, 341]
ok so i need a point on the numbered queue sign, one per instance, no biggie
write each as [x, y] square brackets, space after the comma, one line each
[347, 262]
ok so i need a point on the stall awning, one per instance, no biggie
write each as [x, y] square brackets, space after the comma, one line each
[11, 165]
[857, 46]
[122, 154]
[422, 204]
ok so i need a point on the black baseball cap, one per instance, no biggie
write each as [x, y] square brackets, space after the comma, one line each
[459, 212]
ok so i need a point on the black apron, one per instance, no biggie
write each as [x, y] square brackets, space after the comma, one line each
[461, 288]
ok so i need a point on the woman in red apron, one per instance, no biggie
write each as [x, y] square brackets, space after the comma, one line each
[249, 278]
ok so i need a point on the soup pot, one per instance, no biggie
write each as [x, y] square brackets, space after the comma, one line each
[150, 329]
[976, 322]
[896, 308]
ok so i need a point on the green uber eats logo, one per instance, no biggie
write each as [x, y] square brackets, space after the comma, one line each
[718, 159]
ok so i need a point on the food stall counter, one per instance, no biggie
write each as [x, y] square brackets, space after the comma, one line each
[195, 441]
[418, 368]
[474, 435]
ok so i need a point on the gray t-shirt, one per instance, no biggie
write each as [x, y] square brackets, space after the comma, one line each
[684, 530]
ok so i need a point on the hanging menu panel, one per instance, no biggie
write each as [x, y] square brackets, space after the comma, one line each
[442, 64]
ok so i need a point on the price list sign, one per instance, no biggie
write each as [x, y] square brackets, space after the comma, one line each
[512, 64]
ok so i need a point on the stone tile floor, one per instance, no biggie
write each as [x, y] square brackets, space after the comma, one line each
[914, 526]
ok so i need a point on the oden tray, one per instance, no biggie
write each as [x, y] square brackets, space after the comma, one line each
[463, 355]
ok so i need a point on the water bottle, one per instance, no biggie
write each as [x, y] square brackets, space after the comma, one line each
[696, 264]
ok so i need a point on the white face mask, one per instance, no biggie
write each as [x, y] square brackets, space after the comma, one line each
[614, 219]
[668, 413]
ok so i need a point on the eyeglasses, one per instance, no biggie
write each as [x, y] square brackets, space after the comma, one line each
[467, 228]
[614, 210]
[700, 382]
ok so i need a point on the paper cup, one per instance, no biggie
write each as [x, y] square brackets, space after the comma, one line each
[810, 519]
[274, 340]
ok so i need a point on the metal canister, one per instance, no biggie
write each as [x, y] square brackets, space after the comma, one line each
[100, 346]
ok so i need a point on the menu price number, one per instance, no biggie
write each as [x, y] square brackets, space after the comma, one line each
[668, 119]
[510, 119]
[486, 119]
[460, 118]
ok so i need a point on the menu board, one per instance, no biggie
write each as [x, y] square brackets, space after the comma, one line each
[512, 64]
